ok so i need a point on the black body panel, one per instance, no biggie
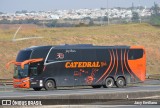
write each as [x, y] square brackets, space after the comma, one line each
[73, 65]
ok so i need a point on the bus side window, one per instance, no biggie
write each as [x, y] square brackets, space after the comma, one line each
[88, 55]
[74, 55]
[135, 54]
[102, 55]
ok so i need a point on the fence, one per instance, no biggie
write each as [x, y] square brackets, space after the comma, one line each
[154, 76]
[5, 82]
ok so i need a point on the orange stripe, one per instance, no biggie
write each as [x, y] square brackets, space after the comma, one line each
[117, 63]
[24, 62]
[14, 62]
[107, 68]
[125, 63]
[30, 61]
[122, 63]
[113, 65]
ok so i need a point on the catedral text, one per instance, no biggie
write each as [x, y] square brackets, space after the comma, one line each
[82, 64]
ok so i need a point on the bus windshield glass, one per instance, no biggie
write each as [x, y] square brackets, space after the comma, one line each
[23, 55]
[20, 73]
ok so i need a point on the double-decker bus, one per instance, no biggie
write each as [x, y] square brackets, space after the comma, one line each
[78, 65]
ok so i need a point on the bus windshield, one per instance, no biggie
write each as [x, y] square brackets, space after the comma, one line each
[23, 55]
[20, 73]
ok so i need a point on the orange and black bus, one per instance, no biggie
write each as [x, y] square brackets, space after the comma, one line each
[78, 65]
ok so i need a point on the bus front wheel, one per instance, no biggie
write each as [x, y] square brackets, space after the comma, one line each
[120, 82]
[109, 82]
[50, 85]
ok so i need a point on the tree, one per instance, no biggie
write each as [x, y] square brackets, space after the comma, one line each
[155, 20]
[52, 24]
[87, 18]
[91, 23]
[105, 18]
[4, 21]
[156, 9]
[135, 16]
[155, 17]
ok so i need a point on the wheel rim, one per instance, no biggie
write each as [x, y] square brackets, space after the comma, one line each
[50, 85]
[121, 82]
[109, 83]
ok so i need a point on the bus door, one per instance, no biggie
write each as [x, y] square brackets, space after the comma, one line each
[35, 71]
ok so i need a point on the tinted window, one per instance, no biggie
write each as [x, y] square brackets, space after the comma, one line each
[39, 53]
[88, 55]
[72, 54]
[23, 55]
[135, 54]
[102, 55]
[19, 72]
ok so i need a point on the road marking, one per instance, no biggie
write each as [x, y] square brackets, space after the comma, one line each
[150, 97]
[55, 94]
[28, 93]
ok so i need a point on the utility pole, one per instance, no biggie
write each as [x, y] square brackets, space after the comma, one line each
[107, 12]
[140, 19]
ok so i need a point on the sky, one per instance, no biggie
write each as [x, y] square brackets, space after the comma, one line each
[49, 5]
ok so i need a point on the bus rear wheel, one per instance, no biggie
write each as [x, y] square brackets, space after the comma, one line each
[120, 82]
[109, 83]
[50, 85]
[37, 89]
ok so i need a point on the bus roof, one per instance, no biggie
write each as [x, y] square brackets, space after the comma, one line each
[84, 46]
[80, 46]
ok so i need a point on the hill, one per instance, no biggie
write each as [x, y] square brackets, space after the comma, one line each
[127, 34]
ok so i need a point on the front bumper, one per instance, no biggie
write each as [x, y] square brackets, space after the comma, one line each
[21, 83]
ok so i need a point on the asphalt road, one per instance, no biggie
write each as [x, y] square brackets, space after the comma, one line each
[12, 93]
[148, 85]
[150, 89]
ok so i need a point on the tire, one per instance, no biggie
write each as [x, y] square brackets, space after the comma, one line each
[120, 82]
[49, 85]
[109, 83]
[96, 86]
[37, 89]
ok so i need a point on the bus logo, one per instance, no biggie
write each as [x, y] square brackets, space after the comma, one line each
[60, 56]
